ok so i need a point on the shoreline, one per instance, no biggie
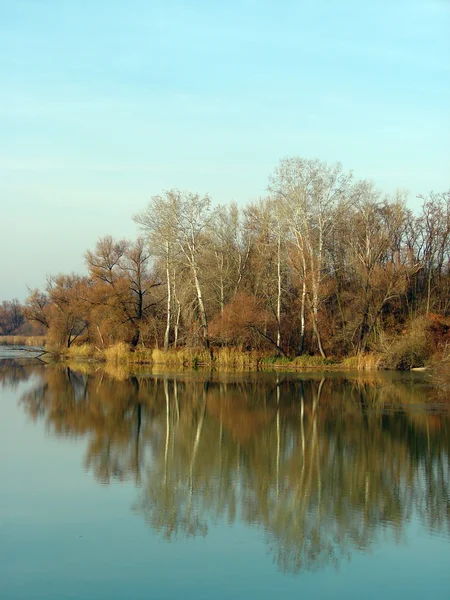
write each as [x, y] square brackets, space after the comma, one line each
[199, 358]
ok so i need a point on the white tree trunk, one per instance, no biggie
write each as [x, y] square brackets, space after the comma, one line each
[169, 298]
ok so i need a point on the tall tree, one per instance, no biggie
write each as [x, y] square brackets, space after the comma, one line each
[433, 250]
[267, 228]
[158, 224]
[312, 192]
[124, 282]
[180, 220]
[68, 318]
[374, 235]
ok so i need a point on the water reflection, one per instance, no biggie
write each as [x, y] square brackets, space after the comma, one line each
[324, 466]
[14, 372]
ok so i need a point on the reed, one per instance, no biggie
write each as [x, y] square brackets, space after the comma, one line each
[117, 354]
[366, 362]
[363, 362]
[83, 352]
[182, 357]
[238, 360]
[23, 340]
[314, 362]
[304, 361]
[223, 358]
[141, 356]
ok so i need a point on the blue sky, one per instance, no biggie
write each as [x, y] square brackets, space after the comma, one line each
[104, 103]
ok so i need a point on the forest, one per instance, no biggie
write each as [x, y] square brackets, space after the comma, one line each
[325, 265]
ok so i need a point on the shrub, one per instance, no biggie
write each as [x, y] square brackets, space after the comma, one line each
[413, 349]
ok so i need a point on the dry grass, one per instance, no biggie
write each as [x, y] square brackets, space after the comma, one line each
[83, 352]
[183, 357]
[362, 362]
[233, 358]
[367, 362]
[305, 361]
[440, 368]
[23, 340]
[141, 356]
[117, 354]
[224, 358]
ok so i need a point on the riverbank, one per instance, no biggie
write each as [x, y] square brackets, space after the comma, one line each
[222, 358]
[219, 358]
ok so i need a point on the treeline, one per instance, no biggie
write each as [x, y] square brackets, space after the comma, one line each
[12, 317]
[323, 265]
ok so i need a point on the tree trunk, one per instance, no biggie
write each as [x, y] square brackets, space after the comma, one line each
[169, 300]
[136, 336]
[317, 334]
[302, 318]
[203, 318]
[279, 292]
[177, 325]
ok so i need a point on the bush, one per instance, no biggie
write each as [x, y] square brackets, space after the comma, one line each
[413, 349]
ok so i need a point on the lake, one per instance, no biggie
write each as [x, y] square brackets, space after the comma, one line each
[221, 485]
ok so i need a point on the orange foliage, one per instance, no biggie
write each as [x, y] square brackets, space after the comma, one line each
[239, 319]
[439, 327]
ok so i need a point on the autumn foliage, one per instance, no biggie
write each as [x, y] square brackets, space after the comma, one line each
[324, 266]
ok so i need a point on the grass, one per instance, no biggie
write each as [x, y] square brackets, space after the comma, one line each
[365, 362]
[305, 361]
[82, 352]
[239, 360]
[182, 357]
[362, 362]
[223, 358]
[118, 354]
[122, 354]
[22, 340]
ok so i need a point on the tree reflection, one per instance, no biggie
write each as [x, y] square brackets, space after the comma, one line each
[324, 466]
[14, 371]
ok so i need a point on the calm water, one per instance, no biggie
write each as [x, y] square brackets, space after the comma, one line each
[218, 486]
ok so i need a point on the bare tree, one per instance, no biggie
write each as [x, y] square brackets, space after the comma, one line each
[374, 235]
[433, 251]
[158, 224]
[124, 282]
[312, 192]
[267, 228]
[180, 221]
[11, 316]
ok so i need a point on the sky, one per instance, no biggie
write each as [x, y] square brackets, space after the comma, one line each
[105, 103]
